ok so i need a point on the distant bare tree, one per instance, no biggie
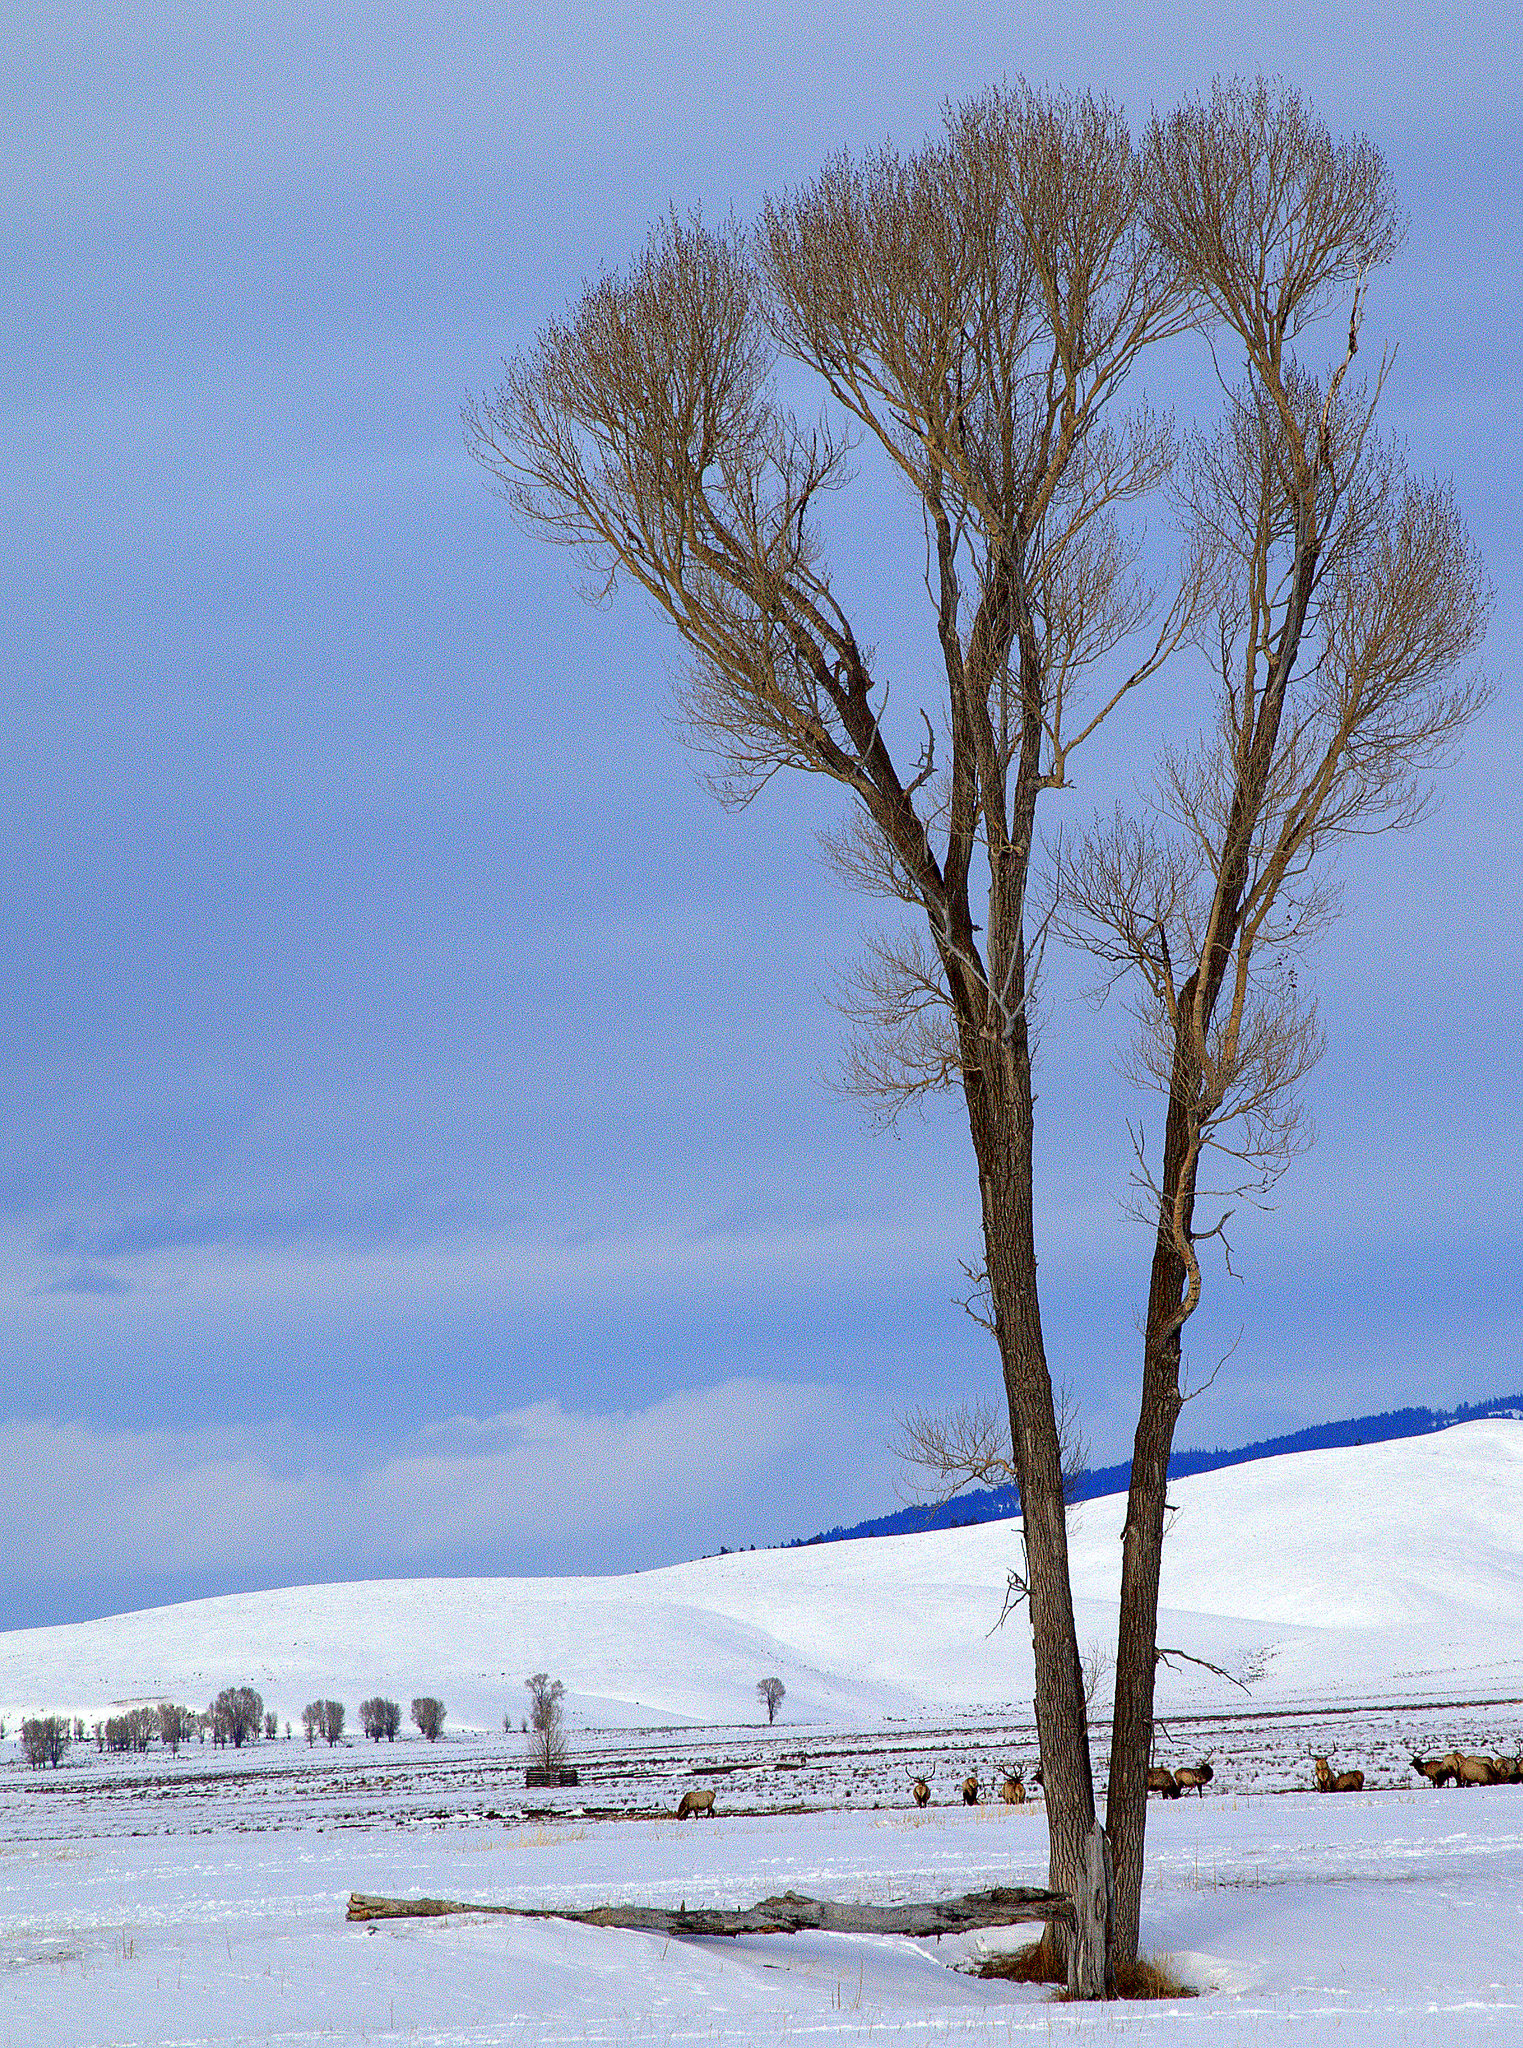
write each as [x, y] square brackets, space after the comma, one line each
[1098, 1664]
[380, 1718]
[271, 1726]
[333, 1720]
[312, 1721]
[547, 1739]
[770, 1692]
[45, 1740]
[429, 1716]
[237, 1715]
[175, 1725]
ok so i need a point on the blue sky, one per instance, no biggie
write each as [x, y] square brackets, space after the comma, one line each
[415, 1149]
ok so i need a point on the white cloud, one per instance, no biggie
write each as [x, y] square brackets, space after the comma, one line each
[79, 1504]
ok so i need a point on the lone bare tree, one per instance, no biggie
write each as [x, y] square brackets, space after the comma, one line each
[770, 1692]
[975, 308]
[547, 1738]
[380, 1717]
[1345, 596]
[973, 311]
[428, 1717]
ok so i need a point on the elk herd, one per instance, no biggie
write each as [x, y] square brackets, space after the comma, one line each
[1009, 1783]
[1458, 1769]
[1189, 1778]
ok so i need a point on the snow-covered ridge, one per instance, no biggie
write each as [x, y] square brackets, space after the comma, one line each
[1385, 1572]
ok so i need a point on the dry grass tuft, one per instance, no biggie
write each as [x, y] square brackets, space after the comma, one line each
[1152, 1977]
[1037, 1963]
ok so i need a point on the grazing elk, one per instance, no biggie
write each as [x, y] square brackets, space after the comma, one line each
[970, 1789]
[1507, 1770]
[1470, 1770]
[1341, 1781]
[1438, 1770]
[1197, 1777]
[1162, 1780]
[1013, 1792]
[695, 1803]
[920, 1789]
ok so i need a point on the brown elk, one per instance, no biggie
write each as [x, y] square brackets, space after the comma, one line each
[1195, 1778]
[1507, 1770]
[920, 1789]
[695, 1803]
[1162, 1780]
[1341, 1781]
[970, 1789]
[1013, 1792]
[1438, 1770]
[1470, 1770]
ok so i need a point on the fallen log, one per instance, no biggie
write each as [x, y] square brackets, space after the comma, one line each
[1002, 1906]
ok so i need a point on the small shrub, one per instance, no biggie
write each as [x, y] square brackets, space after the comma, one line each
[429, 1715]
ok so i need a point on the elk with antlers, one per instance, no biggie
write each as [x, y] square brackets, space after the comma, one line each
[1195, 1778]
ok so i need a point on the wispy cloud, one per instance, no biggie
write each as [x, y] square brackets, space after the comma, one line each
[453, 1254]
[87, 1280]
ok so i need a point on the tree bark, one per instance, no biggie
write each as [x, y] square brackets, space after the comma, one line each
[1003, 1906]
[1002, 1139]
[1091, 1969]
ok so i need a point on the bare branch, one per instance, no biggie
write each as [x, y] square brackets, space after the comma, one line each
[1163, 1656]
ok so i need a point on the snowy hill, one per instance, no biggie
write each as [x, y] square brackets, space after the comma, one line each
[1387, 1571]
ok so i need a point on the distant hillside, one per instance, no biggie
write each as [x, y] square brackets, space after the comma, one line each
[1423, 1604]
[999, 1503]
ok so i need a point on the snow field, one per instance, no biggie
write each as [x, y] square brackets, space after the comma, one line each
[1391, 1918]
[1368, 1600]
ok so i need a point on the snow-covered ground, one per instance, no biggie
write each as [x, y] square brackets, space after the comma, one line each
[1390, 1918]
[1368, 1600]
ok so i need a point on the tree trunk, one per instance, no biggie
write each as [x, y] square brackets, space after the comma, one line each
[1142, 1550]
[1136, 1644]
[1002, 1143]
[1091, 1966]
